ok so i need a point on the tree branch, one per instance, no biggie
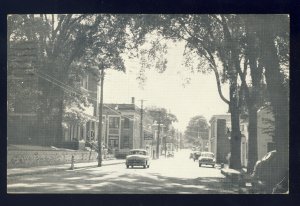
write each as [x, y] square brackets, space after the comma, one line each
[211, 60]
[219, 85]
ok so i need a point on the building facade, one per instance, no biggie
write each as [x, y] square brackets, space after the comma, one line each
[77, 125]
[122, 128]
[265, 131]
[219, 138]
[81, 125]
[219, 142]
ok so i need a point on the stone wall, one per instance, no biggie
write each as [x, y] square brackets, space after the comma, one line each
[19, 159]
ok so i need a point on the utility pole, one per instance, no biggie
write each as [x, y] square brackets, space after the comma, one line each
[157, 143]
[141, 124]
[100, 121]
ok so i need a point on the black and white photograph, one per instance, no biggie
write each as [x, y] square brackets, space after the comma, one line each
[106, 103]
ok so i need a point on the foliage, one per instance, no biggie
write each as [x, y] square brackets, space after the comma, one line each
[197, 127]
[161, 115]
[68, 47]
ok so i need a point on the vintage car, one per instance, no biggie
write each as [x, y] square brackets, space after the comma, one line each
[170, 154]
[138, 157]
[207, 158]
[269, 175]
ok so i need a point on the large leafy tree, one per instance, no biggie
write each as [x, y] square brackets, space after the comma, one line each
[228, 45]
[214, 47]
[196, 130]
[67, 47]
[273, 35]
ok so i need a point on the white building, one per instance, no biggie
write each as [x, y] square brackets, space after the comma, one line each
[265, 141]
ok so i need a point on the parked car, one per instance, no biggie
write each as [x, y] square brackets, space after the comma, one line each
[207, 158]
[138, 157]
[268, 175]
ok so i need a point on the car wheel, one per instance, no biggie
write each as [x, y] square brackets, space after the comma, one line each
[199, 164]
[148, 166]
[213, 165]
[127, 166]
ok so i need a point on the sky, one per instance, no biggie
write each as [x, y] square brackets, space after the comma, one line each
[199, 97]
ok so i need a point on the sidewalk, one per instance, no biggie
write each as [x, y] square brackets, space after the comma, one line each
[54, 168]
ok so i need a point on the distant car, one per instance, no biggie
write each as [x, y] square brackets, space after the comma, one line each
[138, 157]
[207, 158]
[267, 174]
[170, 154]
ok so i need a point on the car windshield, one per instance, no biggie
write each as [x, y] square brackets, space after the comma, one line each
[137, 152]
[207, 155]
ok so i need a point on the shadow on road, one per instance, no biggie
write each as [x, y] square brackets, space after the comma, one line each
[91, 181]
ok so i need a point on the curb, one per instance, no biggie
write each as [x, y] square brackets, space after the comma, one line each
[59, 168]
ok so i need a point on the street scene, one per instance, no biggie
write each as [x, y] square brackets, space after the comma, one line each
[148, 103]
[178, 175]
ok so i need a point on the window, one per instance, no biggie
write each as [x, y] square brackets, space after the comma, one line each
[84, 82]
[126, 141]
[138, 152]
[126, 123]
[242, 127]
[114, 122]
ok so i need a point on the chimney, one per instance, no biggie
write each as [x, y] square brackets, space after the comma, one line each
[132, 100]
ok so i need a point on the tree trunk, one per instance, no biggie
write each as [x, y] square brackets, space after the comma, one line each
[277, 93]
[59, 118]
[235, 141]
[252, 138]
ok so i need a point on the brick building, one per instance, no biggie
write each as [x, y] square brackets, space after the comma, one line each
[122, 128]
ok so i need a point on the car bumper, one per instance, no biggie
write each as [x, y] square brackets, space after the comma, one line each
[207, 163]
[136, 163]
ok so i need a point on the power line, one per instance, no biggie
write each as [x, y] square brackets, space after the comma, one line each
[70, 89]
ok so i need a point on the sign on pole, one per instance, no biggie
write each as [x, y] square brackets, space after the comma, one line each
[148, 135]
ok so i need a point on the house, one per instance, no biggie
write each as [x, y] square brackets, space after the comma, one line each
[123, 129]
[220, 145]
[219, 142]
[77, 125]
[83, 127]
[219, 138]
[265, 131]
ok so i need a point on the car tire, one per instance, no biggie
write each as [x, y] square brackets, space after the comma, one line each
[199, 164]
[127, 166]
[213, 166]
[144, 166]
[148, 166]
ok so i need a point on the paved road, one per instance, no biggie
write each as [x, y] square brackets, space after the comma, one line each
[178, 175]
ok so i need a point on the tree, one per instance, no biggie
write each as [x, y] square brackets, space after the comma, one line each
[213, 39]
[66, 48]
[273, 34]
[196, 130]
